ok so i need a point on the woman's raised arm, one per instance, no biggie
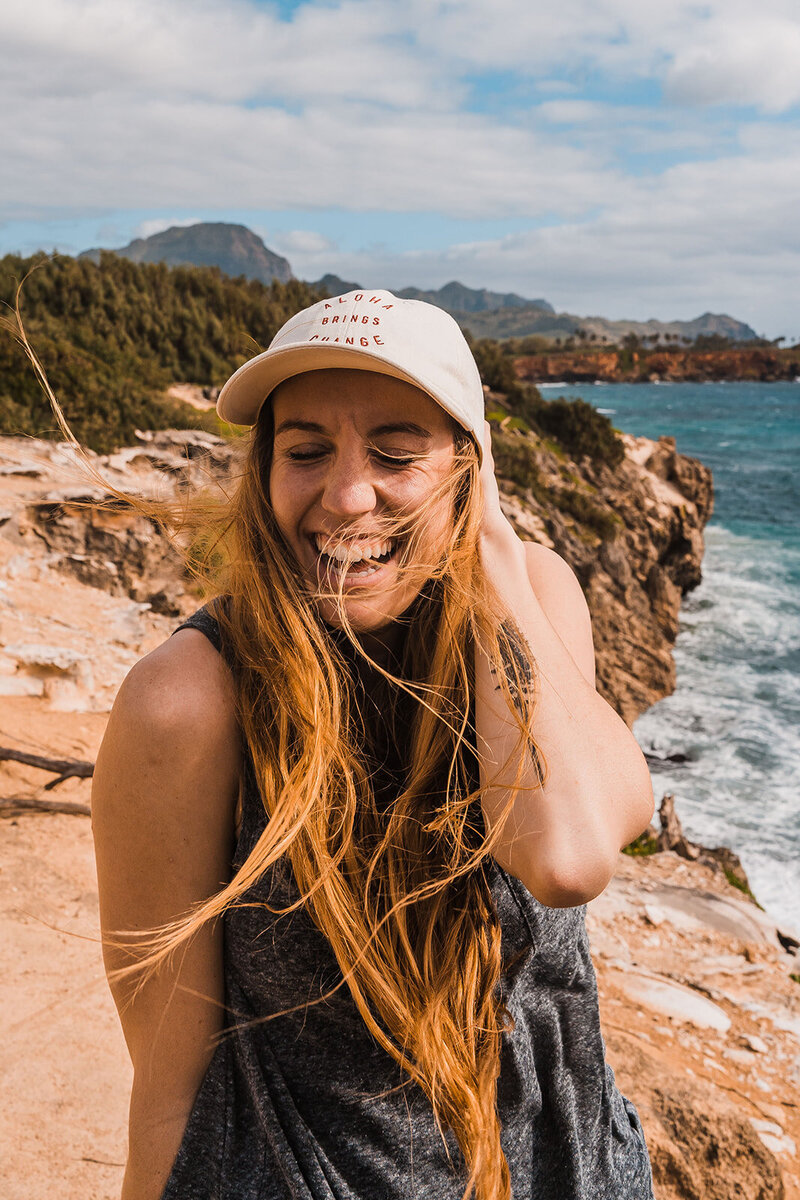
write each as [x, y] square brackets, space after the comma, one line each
[561, 839]
[163, 802]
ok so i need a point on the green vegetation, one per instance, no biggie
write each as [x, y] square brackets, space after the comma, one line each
[711, 341]
[735, 881]
[575, 425]
[601, 521]
[112, 338]
[515, 459]
[645, 844]
[580, 429]
[533, 344]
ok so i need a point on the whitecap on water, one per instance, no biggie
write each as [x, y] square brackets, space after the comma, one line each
[734, 715]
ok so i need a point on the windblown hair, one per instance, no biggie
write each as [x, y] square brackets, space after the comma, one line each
[401, 892]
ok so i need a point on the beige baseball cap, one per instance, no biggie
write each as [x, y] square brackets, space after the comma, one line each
[366, 331]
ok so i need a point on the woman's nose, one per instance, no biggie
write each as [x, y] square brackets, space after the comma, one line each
[348, 490]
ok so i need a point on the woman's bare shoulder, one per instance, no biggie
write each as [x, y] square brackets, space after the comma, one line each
[173, 733]
[170, 760]
[183, 684]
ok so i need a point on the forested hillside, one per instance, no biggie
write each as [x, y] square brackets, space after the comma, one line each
[114, 336]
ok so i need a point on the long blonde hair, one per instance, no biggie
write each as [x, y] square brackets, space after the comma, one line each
[402, 894]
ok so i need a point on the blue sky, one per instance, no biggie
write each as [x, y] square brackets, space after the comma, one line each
[617, 158]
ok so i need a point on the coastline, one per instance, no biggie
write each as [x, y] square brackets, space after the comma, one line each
[756, 364]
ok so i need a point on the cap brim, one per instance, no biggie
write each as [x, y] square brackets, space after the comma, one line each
[242, 397]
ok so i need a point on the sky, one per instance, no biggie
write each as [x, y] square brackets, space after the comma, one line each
[616, 157]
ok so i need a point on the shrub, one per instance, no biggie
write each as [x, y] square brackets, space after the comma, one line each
[580, 506]
[644, 844]
[580, 429]
[515, 460]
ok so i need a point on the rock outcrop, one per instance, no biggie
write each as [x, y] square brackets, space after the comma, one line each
[633, 534]
[700, 1007]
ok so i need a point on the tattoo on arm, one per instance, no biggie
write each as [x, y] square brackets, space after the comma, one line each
[517, 667]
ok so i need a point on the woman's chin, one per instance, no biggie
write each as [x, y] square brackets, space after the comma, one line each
[362, 616]
[366, 614]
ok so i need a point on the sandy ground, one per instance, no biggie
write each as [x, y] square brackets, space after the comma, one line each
[64, 1072]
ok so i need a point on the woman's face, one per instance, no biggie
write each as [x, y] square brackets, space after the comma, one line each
[351, 449]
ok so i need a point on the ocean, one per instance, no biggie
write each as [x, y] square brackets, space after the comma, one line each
[735, 712]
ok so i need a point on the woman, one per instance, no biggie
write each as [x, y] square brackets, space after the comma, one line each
[379, 757]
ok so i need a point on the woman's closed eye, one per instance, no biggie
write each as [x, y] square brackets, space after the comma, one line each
[390, 458]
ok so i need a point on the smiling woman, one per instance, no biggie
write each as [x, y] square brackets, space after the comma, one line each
[365, 793]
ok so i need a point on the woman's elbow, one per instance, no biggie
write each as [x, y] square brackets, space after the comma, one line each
[577, 882]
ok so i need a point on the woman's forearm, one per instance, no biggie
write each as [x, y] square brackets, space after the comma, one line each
[561, 838]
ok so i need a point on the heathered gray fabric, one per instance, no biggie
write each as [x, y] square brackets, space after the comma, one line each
[291, 1109]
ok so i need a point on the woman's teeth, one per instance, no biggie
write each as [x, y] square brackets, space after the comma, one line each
[348, 553]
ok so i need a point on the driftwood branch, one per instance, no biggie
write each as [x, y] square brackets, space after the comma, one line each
[64, 768]
[15, 806]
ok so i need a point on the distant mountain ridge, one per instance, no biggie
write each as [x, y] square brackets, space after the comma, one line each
[238, 251]
[235, 249]
[504, 315]
[454, 297]
[527, 322]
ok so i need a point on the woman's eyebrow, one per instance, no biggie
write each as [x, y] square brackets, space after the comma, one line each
[409, 427]
[401, 427]
[303, 426]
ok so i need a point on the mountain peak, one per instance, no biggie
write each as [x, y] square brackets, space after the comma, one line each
[235, 249]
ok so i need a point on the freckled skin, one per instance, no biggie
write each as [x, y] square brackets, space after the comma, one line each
[336, 479]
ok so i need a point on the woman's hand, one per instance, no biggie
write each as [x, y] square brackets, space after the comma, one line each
[500, 546]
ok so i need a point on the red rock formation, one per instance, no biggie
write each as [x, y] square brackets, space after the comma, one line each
[679, 366]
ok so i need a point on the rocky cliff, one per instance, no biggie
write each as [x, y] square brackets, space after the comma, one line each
[700, 996]
[759, 364]
[633, 534]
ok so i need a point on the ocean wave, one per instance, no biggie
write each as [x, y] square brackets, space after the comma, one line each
[734, 715]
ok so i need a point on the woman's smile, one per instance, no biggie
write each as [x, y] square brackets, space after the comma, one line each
[353, 561]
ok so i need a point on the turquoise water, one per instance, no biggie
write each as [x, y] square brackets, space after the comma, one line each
[736, 709]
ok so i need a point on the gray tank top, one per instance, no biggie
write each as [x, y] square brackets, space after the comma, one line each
[302, 1107]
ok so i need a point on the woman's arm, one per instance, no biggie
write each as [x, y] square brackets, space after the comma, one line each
[163, 799]
[561, 839]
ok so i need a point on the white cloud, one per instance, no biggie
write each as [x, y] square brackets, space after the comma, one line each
[702, 237]
[345, 156]
[301, 241]
[400, 53]
[723, 51]
[754, 60]
[361, 105]
[231, 53]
